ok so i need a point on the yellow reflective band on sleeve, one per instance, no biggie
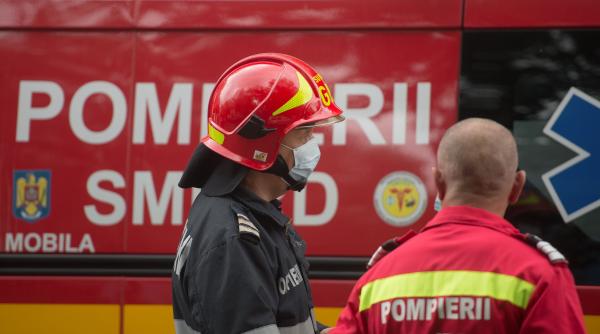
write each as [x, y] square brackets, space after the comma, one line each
[215, 135]
[447, 283]
[303, 95]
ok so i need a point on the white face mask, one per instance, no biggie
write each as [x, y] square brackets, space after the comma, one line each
[306, 158]
[437, 205]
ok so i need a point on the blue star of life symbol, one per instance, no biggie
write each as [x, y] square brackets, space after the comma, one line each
[575, 184]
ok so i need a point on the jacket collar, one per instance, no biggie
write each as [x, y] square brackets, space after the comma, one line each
[259, 207]
[468, 215]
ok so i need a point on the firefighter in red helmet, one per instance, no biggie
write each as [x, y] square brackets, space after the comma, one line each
[240, 266]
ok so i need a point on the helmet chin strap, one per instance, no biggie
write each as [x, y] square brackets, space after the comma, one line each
[280, 168]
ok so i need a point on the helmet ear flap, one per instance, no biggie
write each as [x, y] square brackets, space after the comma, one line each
[255, 128]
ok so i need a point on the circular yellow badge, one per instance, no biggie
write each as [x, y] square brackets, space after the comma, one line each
[400, 198]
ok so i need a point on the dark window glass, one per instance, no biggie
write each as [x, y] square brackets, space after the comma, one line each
[519, 78]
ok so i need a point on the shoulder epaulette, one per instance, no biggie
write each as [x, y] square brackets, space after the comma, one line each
[248, 231]
[546, 248]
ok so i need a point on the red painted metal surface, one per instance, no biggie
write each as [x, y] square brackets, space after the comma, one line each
[292, 14]
[531, 14]
[331, 293]
[299, 14]
[61, 290]
[128, 290]
[589, 297]
[146, 290]
[202, 14]
[67, 61]
[110, 184]
[140, 47]
[41, 14]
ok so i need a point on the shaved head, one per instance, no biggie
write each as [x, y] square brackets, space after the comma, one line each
[478, 157]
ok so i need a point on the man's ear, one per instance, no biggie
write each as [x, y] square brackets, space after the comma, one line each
[517, 187]
[440, 183]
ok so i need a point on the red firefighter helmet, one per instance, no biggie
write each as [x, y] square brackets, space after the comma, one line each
[258, 100]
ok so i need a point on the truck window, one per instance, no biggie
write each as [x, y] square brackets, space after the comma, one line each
[520, 78]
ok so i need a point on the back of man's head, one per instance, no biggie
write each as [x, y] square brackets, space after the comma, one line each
[477, 161]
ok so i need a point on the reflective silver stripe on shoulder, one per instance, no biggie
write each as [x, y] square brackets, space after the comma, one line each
[246, 226]
[182, 328]
[546, 248]
[305, 327]
[552, 253]
[268, 329]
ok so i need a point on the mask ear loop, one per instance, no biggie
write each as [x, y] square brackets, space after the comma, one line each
[289, 148]
[281, 169]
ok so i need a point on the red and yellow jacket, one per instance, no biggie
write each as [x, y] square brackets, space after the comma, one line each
[467, 271]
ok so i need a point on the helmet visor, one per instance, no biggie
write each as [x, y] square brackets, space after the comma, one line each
[322, 122]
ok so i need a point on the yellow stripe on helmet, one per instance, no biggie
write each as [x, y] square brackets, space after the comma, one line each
[215, 134]
[447, 283]
[303, 95]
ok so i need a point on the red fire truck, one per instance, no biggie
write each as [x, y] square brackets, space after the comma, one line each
[103, 102]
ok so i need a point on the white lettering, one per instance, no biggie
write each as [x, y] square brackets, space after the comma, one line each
[430, 308]
[301, 218]
[67, 244]
[86, 244]
[144, 192]
[26, 112]
[466, 308]
[282, 287]
[146, 99]
[49, 243]
[61, 242]
[105, 196]
[361, 115]
[148, 111]
[119, 112]
[293, 277]
[398, 310]
[288, 281]
[13, 243]
[70, 248]
[33, 242]
[419, 309]
[385, 311]
[295, 273]
[486, 309]
[452, 308]
[423, 112]
[415, 309]
[399, 114]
